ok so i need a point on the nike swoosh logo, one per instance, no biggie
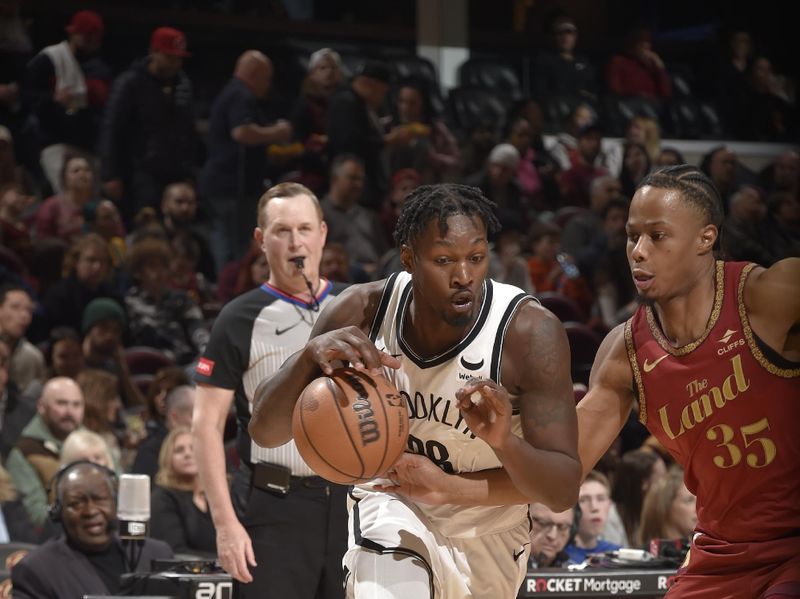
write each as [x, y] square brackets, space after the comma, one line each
[470, 365]
[648, 366]
[516, 555]
[282, 331]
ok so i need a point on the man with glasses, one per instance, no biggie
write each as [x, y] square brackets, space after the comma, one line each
[550, 533]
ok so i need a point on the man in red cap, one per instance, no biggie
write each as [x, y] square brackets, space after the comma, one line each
[148, 138]
[66, 86]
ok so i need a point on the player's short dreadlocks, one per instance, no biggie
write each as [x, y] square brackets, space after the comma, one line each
[442, 201]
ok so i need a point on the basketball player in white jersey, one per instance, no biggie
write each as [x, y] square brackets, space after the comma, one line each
[486, 374]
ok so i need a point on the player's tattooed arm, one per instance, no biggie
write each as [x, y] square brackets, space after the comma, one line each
[543, 463]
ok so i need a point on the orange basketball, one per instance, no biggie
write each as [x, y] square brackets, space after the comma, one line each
[350, 427]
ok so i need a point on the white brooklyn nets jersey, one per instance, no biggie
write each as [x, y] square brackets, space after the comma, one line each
[437, 429]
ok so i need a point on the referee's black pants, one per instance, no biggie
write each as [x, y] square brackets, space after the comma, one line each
[299, 538]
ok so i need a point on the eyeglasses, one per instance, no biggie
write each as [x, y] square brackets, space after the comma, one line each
[546, 525]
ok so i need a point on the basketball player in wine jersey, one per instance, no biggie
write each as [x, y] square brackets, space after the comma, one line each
[711, 361]
[485, 371]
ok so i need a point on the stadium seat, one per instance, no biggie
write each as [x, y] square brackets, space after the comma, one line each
[490, 74]
[564, 308]
[566, 213]
[474, 105]
[146, 360]
[619, 110]
[583, 344]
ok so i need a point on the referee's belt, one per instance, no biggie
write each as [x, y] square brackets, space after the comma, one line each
[274, 478]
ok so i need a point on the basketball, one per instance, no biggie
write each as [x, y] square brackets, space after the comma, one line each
[350, 427]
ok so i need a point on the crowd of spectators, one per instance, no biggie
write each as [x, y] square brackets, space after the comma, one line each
[117, 247]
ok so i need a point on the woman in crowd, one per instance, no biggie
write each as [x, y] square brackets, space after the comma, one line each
[179, 510]
[63, 215]
[636, 472]
[85, 444]
[164, 381]
[103, 411]
[669, 510]
[88, 274]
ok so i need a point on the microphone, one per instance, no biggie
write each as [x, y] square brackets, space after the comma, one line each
[133, 513]
[133, 507]
[300, 262]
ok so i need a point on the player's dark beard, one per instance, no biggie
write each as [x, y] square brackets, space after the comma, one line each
[460, 320]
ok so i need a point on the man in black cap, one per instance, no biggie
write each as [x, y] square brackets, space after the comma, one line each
[354, 126]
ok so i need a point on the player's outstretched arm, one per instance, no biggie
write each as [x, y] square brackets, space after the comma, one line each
[337, 337]
[543, 464]
[604, 409]
[772, 298]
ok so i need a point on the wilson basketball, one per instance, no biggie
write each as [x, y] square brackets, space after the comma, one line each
[350, 427]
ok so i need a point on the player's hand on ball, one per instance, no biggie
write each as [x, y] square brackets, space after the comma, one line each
[348, 344]
[486, 408]
[416, 477]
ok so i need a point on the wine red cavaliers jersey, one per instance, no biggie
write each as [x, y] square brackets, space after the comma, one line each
[727, 407]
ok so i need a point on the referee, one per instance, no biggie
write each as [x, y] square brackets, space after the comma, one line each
[280, 529]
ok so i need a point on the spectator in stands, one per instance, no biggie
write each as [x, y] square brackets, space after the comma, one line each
[64, 214]
[642, 130]
[561, 70]
[724, 169]
[170, 401]
[782, 174]
[85, 444]
[481, 138]
[335, 264]
[498, 183]
[233, 175]
[594, 498]
[546, 270]
[14, 231]
[550, 534]
[309, 116]
[88, 274]
[16, 310]
[102, 410]
[64, 353]
[783, 224]
[669, 156]
[574, 183]
[583, 237]
[669, 509]
[184, 274]
[548, 196]
[565, 148]
[35, 457]
[179, 511]
[512, 267]
[149, 135]
[160, 317]
[89, 558]
[179, 217]
[15, 525]
[431, 149]
[636, 472]
[66, 88]
[353, 225]
[16, 408]
[614, 288]
[354, 128]
[639, 71]
[105, 220]
[636, 164]
[103, 326]
[731, 86]
[402, 183]
[746, 235]
[771, 115]
[15, 53]
[253, 271]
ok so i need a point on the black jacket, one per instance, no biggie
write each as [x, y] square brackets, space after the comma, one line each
[149, 126]
[56, 570]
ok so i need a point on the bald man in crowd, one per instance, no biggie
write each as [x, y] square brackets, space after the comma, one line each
[233, 175]
[35, 457]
